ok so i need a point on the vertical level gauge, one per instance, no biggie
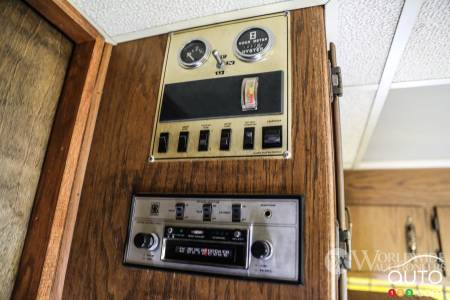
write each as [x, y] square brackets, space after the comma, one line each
[253, 43]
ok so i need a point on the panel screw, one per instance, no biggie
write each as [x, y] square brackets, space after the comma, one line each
[151, 159]
[286, 154]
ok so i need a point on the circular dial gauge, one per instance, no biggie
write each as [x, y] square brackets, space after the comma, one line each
[253, 43]
[194, 53]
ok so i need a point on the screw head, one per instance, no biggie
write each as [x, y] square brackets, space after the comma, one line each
[286, 154]
[151, 159]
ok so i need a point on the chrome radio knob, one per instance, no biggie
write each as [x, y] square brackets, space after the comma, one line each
[148, 241]
[261, 249]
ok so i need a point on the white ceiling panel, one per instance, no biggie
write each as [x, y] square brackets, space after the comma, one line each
[355, 106]
[116, 18]
[427, 55]
[364, 35]
[413, 126]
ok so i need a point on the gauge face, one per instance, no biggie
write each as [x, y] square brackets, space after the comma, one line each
[253, 43]
[194, 54]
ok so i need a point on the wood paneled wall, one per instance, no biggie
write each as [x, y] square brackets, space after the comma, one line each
[33, 60]
[118, 167]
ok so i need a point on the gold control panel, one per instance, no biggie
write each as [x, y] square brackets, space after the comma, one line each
[225, 92]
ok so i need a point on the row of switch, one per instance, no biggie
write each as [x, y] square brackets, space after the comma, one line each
[272, 138]
[207, 212]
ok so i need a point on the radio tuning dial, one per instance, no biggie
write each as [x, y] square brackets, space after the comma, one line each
[261, 249]
[148, 241]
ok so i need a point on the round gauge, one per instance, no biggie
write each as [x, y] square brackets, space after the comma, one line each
[194, 53]
[253, 43]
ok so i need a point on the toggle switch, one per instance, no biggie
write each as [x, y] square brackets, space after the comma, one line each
[249, 94]
[183, 141]
[249, 137]
[220, 63]
[163, 142]
[225, 139]
[203, 140]
[272, 137]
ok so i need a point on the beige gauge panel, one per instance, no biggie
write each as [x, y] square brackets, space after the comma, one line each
[225, 92]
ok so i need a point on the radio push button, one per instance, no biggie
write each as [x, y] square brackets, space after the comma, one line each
[236, 212]
[179, 211]
[261, 249]
[147, 241]
[207, 212]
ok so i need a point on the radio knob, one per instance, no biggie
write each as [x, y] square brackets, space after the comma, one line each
[146, 241]
[261, 249]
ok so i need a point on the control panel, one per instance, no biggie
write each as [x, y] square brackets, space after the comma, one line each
[225, 92]
[249, 237]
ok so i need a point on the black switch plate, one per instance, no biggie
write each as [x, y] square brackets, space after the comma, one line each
[225, 139]
[203, 140]
[183, 141]
[272, 137]
[163, 142]
[249, 137]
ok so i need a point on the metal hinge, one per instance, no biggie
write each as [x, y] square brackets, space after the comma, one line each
[345, 240]
[337, 88]
[345, 243]
[435, 223]
[336, 81]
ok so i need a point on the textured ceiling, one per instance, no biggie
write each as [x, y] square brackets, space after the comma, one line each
[355, 107]
[364, 35]
[414, 125]
[427, 55]
[118, 17]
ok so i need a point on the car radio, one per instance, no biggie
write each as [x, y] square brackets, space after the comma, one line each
[250, 237]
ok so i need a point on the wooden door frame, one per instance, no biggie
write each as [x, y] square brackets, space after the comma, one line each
[47, 244]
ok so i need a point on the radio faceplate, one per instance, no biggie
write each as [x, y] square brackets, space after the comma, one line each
[250, 237]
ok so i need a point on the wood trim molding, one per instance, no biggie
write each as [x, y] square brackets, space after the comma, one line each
[67, 19]
[47, 244]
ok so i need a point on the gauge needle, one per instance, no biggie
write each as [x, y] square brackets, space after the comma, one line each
[189, 54]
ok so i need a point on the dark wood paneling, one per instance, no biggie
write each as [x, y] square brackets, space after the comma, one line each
[117, 168]
[425, 187]
[33, 60]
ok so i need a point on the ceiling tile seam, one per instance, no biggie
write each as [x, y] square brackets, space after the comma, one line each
[405, 25]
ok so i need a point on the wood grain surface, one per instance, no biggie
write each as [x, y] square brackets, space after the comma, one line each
[118, 167]
[33, 60]
[67, 19]
[426, 187]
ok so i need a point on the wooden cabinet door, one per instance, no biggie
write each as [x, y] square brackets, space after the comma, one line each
[443, 214]
[379, 235]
